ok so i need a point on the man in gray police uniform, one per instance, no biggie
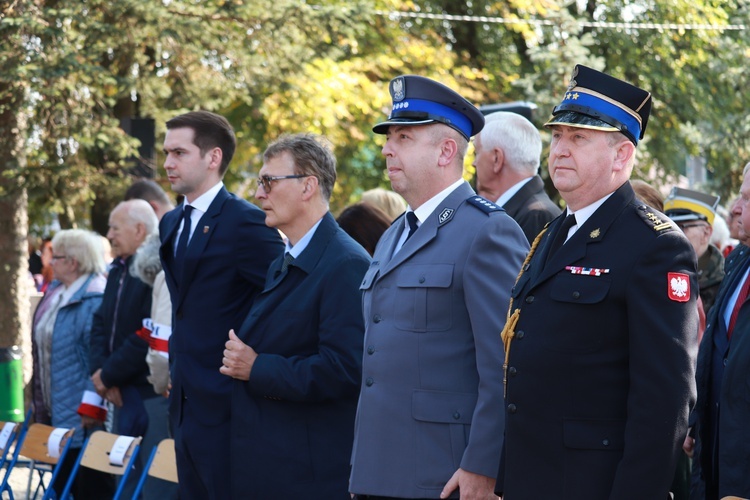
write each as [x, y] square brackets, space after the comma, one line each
[429, 419]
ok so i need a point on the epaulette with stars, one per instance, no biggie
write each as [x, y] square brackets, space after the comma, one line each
[484, 205]
[654, 220]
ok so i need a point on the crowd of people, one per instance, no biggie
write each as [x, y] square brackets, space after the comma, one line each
[432, 341]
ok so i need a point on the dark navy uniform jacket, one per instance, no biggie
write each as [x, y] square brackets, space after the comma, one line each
[600, 372]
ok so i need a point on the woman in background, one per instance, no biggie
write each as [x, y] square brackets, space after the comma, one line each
[61, 331]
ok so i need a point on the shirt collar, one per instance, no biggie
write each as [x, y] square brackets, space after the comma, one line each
[511, 191]
[426, 209]
[297, 249]
[204, 201]
[583, 214]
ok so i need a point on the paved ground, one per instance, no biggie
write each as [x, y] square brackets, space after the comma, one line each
[19, 478]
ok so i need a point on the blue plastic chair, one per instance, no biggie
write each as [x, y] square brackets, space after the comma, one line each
[162, 464]
[32, 444]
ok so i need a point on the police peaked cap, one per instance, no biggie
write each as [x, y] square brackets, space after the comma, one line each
[597, 101]
[685, 204]
[418, 101]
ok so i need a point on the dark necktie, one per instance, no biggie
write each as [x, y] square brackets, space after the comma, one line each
[562, 234]
[411, 218]
[738, 305]
[182, 244]
[288, 259]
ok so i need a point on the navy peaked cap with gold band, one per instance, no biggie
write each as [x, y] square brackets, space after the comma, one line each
[418, 101]
[598, 101]
[685, 204]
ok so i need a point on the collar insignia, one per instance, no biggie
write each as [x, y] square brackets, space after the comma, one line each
[445, 216]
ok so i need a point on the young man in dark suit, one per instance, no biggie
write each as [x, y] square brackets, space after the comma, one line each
[215, 252]
[600, 339]
[297, 358]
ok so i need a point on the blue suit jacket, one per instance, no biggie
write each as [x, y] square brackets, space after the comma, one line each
[722, 378]
[293, 421]
[225, 265]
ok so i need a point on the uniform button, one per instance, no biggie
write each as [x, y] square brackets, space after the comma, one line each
[456, 416]
[370, 349]
[512, 408]
[377, 318]
[513, 290]
[369, 381]
[364, 281]
[725, 361]
[529, 299]
[512, 370]
[526, 267]
[520, 334]
[421, 279]
[605, 442]
[576, 295]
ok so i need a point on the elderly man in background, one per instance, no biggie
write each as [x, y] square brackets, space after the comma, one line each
[118, 355]
[506, 156]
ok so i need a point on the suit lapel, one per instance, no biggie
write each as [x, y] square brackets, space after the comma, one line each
[516, 202]
[171, 223]
[201, 236]
[591, 232]
[282, 282]
[428, 231]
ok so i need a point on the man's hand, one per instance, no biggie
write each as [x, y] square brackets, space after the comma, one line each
[96, 378]
[470, 486]
[113, 396]
[688, 446]
[238, 358]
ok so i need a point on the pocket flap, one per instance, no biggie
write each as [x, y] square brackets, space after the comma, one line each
[579, 289]
[425, 275]
[443, 407]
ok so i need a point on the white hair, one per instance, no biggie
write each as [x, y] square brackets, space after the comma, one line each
[517, 137]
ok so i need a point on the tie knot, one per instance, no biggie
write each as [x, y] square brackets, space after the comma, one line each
[411, 218]
[288, 259]
[187, 211]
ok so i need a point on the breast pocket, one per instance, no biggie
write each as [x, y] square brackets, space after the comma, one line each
[423, 299]
[580, 289]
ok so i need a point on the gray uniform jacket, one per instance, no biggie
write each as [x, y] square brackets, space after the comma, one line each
[432, 395]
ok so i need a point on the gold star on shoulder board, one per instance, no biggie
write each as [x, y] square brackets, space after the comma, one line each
[595, 233]
[575, 96]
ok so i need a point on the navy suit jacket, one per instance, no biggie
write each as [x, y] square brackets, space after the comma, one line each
[293, 421]
[224, 269]
[531, 208]
[722, 377]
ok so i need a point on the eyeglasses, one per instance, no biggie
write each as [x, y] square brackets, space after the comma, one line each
[265, 180]
[59, 257]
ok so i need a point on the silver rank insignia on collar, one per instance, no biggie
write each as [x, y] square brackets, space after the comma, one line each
[445, 216]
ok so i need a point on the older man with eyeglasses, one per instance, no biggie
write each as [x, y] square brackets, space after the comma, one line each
[297, 359]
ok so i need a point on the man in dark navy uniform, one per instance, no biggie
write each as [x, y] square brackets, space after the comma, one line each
[600, 336]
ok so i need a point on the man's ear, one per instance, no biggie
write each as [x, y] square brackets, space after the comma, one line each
[216, 157]
[498, 160]
[448, 151]
[624, 151]
[311, 187]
